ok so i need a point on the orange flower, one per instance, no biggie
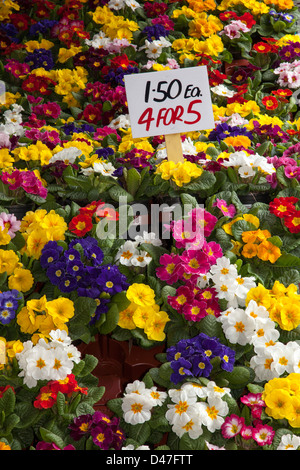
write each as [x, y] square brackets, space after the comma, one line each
[249, 250]
[266, 251]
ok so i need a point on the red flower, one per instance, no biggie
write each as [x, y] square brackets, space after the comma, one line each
[282, 206]
[67, 386]
[282, 93]
[46, 398]
[292, 221]
[107, 212]
[91, 113]
[81, 224]
[262, 47]
[270, 102]
[216, 78]
[91, 208]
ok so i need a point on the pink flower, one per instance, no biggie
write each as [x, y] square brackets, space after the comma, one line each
[263, 434]
[252, 399]
[13, 180]
[195, 262]
[171, 269]
[10, 222]
[4, 140]
[213, 251]
[227, 210]
[183, 297]
[246, 432]
[203, 220]
[232, 426]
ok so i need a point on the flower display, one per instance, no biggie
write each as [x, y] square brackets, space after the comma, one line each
[110, 246]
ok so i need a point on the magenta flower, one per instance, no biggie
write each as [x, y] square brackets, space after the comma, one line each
[171, 269]
[195, 262]
[246, 432]
[263, 434]
[232, 426]
[227, 210]
[194, 311]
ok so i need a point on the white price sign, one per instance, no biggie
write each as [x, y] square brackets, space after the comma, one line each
[169, 102]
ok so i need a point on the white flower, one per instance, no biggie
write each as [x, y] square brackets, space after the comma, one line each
[289, 442]
[106, 169]
[135, 387]
[246, 171]
[61, 364]
[212, 412]
[141, 259]
[131, 447]
[193, 427]
[283, 359]
[262, 364]
[183, 410]
[222, 90]
[148, 237]
[133, 4]
[39, 363]
[214, 390]
[158, 397]
[122, 121]
[222, 269]
[73, 353]
[194, 389]
[67, 155]
[127, 252]
[243, 287]
[238, 327]
[136, 408]
[60, 337]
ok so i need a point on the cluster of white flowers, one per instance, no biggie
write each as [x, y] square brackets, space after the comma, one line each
[115, 45]
[130, 255]
[138, 402]
[104, 168]
[229, 284]
[47, 361]
[153, 49]
[12, 124]
[275, 360]
[247, 164]
[119, 4]
[188, 148]
[251, 324]
[188, 415]
[289, 74]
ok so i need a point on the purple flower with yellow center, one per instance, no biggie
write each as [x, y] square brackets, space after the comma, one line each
[102, 436]
[7, 315]
[81, 426]
[227, 358]
[181, 369]
[56, 272]
[201, 365]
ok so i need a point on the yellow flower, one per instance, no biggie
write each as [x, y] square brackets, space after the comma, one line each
[65, 54]
[54, 226]
[202, 5]
[165, 169]
[141, 294]
[6, 160]
[289, 314]
[154, 327]
[30, 46]
[260, 295]
[28, 320]
[126, 317]
[4, 236]
[35, 242]
[141, 315]
[9, 260]
[249, 250]
[21, 279]
[61, 309]
[204, 26]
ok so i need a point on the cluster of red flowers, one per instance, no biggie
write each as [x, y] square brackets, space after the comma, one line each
[48, 394]
[285, 208]
[92, 212]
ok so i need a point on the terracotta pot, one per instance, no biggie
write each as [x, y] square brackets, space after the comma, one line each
[119, 363]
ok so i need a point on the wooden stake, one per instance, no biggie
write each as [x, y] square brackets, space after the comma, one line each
[174, 147]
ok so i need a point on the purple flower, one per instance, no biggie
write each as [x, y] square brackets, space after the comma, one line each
[81, 426]
[181, 370]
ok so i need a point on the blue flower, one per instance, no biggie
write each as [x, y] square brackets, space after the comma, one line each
[181, 370]
[7, 315]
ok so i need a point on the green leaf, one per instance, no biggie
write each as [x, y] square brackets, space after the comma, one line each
[116, 192]
[239, 377]
[133, 181]
[241, 226]
[112, 318]
[8, 401]
[49, 436]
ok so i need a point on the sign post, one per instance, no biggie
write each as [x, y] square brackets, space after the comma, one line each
[169, 103]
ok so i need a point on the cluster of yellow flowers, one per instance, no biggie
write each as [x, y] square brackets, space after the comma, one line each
[8, 350]
[188, 48]
[282, 398]
[40, 227]
[180, 173]
[282, 303]
[144, 313]
[114, 26]
[40, 316]
[255, 242]
[19, 277]
[257, 8]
